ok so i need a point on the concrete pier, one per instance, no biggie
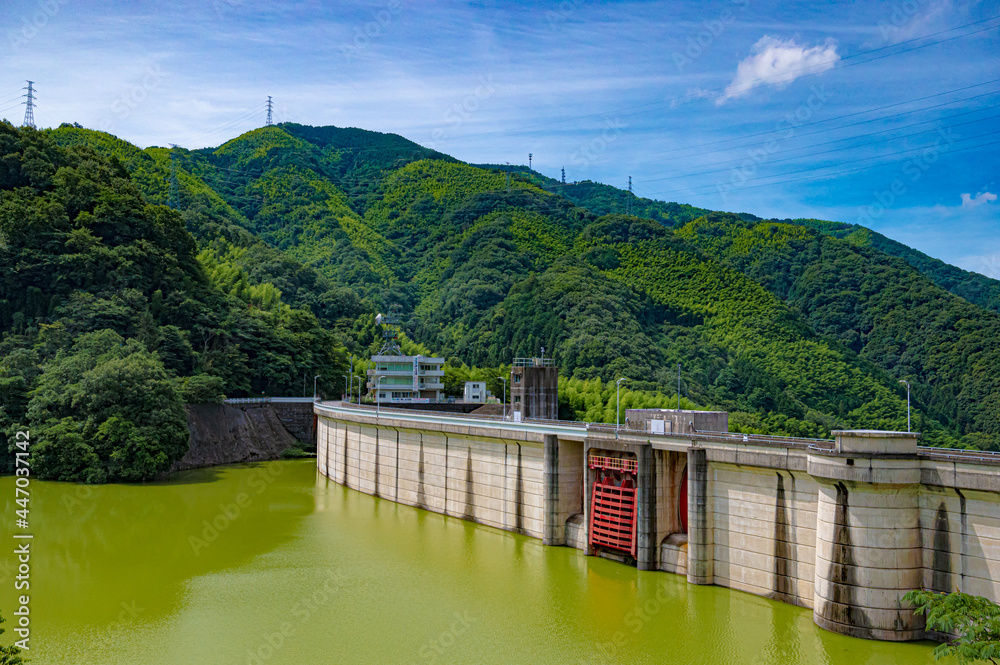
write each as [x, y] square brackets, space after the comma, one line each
[648, 547]
[555, 527]
[844, 527]
[868, 544]
[701, 545]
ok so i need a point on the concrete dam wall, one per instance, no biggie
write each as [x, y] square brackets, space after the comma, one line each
[842, 527]
[487, 479]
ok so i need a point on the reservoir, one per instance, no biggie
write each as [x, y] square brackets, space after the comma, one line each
[272, 563]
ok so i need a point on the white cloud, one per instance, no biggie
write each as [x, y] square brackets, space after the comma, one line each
[979, 199]
[777, 62]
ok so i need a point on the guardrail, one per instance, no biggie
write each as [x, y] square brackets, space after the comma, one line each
[605, 429]
[597, 429]
[269, 400]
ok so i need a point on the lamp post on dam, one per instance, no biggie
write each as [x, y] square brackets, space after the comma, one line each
[845, 527]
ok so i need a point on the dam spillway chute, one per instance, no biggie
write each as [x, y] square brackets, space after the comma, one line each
[613, 504]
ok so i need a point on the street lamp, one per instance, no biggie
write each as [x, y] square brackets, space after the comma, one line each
[378, 400]
[504, 379]
[350, 384]
[347, 389]
[907, 384]
[678, 386]
[618, 402]
[314, 386]
[360, 381]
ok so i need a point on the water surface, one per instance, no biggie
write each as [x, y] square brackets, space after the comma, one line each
[298, 570]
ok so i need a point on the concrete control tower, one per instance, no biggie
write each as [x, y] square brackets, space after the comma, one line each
[534, 389]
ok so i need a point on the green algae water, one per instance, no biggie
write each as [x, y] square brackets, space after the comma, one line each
[272, 563]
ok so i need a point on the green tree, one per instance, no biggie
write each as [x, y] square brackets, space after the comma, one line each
[9, 655]
[106, 409]
[974, 620]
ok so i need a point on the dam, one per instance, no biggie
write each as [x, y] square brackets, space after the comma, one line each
[844, 527]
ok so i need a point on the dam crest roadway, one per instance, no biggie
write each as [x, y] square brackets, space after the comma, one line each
[844, 527]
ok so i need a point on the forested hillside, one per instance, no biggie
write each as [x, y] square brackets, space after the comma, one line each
[795, 328]
[110, 322]
[875, 306]
[606, 200]
[972, 286]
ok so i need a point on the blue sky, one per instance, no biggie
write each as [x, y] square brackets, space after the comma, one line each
[883, 113]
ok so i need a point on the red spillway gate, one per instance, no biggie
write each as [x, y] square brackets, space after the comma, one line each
[613, 504]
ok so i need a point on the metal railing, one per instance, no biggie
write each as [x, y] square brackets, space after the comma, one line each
[604, 429]
[613, 463]
[269, 400]
[956, 455]
[533, 362]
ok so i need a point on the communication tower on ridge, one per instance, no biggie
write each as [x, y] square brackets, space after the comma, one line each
[270, 109]
[628, 199]
[29, 111]
[564, 175]
[390, 323]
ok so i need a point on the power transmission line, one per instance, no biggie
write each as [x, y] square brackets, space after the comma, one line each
[29, 111]
[248, 113]
[731, 162]
[16, 98]
[863, 168]
[826, 175]
[778, 78]
[846, 115]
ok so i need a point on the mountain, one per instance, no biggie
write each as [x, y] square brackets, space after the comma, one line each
[875, 306]
[793, 327]
[606, 200]
[111, 319]
[977, 289]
